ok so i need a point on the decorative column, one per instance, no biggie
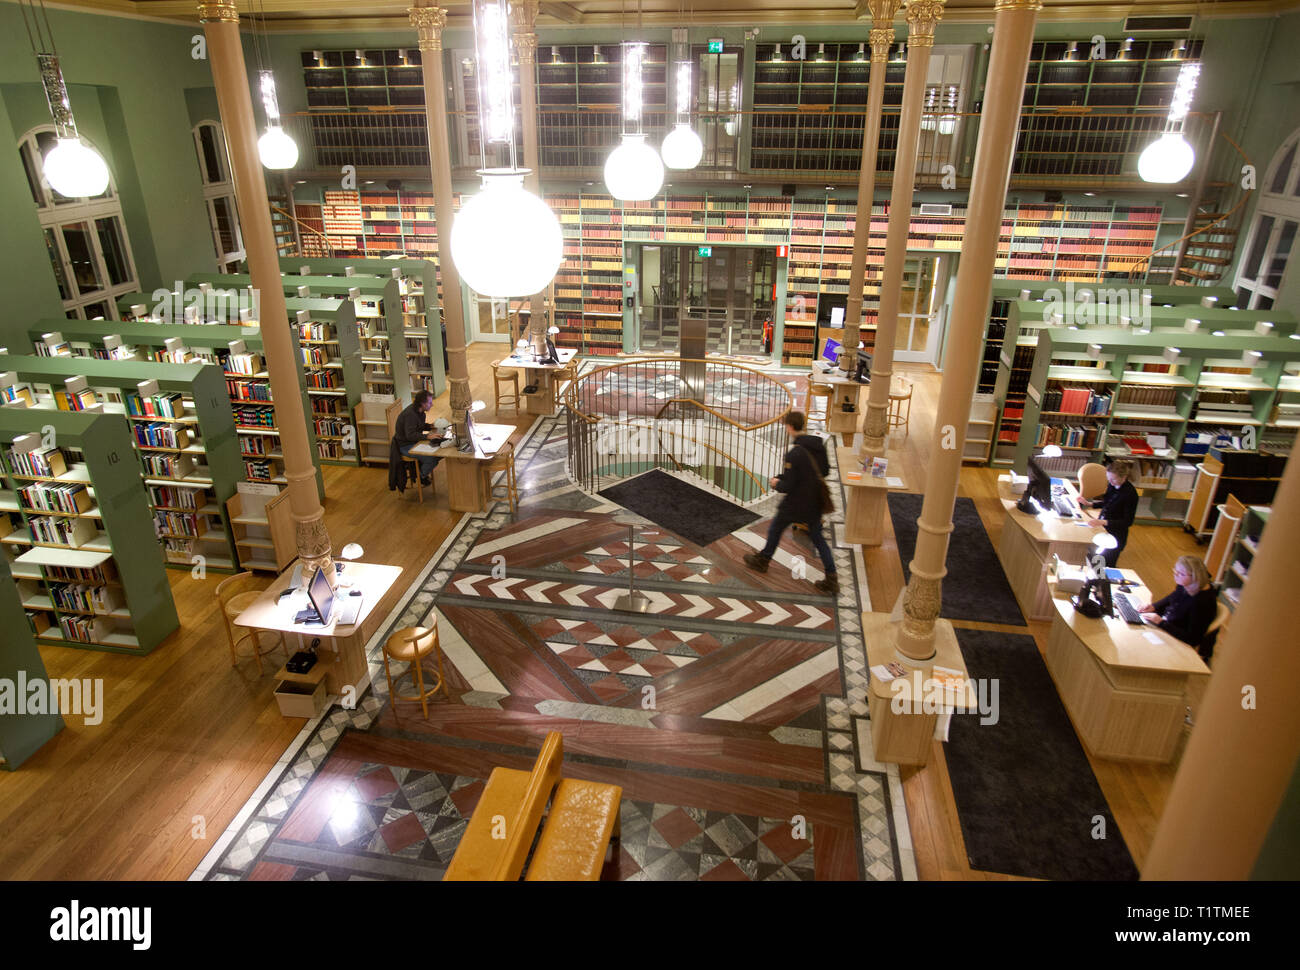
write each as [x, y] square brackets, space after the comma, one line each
[1239, 762]
[1013, 34]
[429, 21]
[523, 18]
[922, 16]
[881, 38]
[220, 22]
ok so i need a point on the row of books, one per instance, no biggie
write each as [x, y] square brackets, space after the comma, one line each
[83, 598]
[1076, 400]
[81, 629]
[95, 575]
[254, 445]
[324, 379]
[331, 426]
[248, 391]
[62, 532]
[244, 364]
[332, 449]
[1156, 399]
[327, 406]
[16, 395]
[167, 466]
[173, 497]
[153, 435]
[38, 463]
[1067, 436]
[316, 330]
[260, 470]
[176, 523]
[315, 356]
[75, 400]
[154, 406]
[70, 497]
[254, 417]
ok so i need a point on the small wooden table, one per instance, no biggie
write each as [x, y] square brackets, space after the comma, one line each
[867, 497]
[466, 491]
[1028, 544]
[843, 391]
[541, 402]
[1124, 686]
[347, 643]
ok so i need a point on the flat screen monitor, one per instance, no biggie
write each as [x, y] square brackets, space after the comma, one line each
[864, 367]
[469, 425]
[837, 317]
[1039, 489]
[831, 351]
[321, 594]
[551, 354]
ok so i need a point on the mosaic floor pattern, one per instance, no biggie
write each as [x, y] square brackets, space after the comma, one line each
[730, 712]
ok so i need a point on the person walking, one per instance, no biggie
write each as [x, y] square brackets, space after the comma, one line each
[801, 484]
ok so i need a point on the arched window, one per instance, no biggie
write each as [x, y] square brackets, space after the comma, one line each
[1272, 236]
[219, 195]
[86, 238]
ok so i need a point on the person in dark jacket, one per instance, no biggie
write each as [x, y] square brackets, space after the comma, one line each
[411, 429]
[806, 464]
[1117, 508]
[1189, 610]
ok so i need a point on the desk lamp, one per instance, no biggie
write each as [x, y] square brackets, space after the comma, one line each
[1051, 451]
[521, 345]
[352, 551]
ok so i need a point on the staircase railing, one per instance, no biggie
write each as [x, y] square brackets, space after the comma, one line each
[303, 227]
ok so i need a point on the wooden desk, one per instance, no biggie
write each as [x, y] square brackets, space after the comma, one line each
[838, 421]
[1124, 686]
[466, 491]
[543, 401]
[1028, 544]
[866, 497]
[347, 643]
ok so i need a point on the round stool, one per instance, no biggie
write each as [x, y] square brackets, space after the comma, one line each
[235, 596]
[510, 378]
[900, 407]
[411, 645]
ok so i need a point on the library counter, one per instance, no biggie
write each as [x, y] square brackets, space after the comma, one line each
[1027, 545]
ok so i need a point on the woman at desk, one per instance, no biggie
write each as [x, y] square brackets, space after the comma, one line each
[411, 429]
[1189, 610]
[1116, 509]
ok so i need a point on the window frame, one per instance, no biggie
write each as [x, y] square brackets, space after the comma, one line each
[227, 262]
[1280, 208]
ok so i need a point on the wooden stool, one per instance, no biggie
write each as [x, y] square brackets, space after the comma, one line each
[235, 595]
[411, 645]
[823, 392]
[419, 484]
[898, 398]
[504, 460]
[505, 375]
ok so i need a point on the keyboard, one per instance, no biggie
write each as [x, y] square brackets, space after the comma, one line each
[1065, 508]
[1127, 611]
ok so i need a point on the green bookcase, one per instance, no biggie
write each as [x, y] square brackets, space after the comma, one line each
[1237, 573]
[21, 735]
[330, 351]
[116, 538]
[194, 499]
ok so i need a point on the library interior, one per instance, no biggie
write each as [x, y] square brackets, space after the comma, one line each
[377, 376]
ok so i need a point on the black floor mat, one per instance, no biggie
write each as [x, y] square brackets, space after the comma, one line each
[1026, 796]
[975, 587]
[692, 513]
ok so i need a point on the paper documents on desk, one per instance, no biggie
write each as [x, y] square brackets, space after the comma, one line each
[853, 476]
[894, 482]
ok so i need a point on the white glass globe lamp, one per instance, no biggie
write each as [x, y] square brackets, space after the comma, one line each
[633, 171]
[276, 149]
[682, 147]
[506, 241]
[75, 170]
[1167, 159]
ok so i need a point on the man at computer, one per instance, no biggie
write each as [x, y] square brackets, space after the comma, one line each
[411, 429]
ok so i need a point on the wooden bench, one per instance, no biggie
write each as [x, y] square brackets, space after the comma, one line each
[583, 818]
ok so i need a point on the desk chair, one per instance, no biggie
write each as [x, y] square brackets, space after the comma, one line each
[1092, 480]
[509, 377]
[235, 595]
[1221, 615]
[414, 462]
[504, 460]
[410, 645]
[900, 406]
[817, 392]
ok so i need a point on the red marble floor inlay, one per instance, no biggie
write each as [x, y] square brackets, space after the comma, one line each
[401, 832]
[376, 783]
[783, 844]
[727, 872]
[677, 828]
[466, 798]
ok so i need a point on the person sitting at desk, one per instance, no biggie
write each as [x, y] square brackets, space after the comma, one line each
[411, 429]
[1117, 508]
[1189, 610]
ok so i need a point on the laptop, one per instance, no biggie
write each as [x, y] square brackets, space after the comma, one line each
[327, 606]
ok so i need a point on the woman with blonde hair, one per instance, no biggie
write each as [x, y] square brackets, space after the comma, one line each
[1189, 610]
[1117, 509]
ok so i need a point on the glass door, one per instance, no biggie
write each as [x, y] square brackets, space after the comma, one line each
[916, 338]
[718, 103]
[491, 319]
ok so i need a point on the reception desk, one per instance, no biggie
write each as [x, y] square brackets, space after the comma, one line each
[1027, 546]
[1124, 686]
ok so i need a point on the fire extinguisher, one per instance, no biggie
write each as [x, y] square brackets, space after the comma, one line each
[767, 336]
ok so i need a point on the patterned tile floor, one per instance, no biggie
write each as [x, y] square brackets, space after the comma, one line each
[747, 763]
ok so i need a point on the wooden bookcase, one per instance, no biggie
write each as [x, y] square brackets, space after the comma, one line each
[21, 735]
[262, 525]
[111, 562]
[376, 422]
[249, 393]
[190, 462]
[1250, 531]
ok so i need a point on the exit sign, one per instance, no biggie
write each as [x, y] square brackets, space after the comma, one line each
[704, 251]
[715, 45]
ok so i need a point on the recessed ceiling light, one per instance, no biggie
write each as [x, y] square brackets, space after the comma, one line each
[1219, 333]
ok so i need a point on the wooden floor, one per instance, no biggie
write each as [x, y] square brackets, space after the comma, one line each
[186, 739]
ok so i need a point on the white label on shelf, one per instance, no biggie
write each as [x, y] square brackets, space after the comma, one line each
[250, 331]
[377, 399]
[1005, 358]
[257, 488]
[1033, 392]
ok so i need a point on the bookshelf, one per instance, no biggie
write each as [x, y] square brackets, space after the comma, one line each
[376, 423]
[330, 351]
[21, 735]
[248, 389]
[262, 526]
[91, 578]
[1149, 390]
[187, 450]
[1250, 532]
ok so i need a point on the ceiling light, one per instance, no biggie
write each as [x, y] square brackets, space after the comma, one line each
[1166, 160]
[277, 150]
[633, 171]
[73, 168]
[682, 147]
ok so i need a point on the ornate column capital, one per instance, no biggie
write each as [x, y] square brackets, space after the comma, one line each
[882, 39]
[922, 16]
[220, 10]
[523, 18]
[883, 11]
[429, 23]
[1018, 5]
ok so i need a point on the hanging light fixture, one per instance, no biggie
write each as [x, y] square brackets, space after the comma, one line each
[72, 168]
[505, 241]
[948, 121]
[682, 148]
[1169, 158]
[276, 149]
[633, 171]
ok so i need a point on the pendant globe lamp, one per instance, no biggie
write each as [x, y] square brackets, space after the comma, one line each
[1170, 158]
[72, 168]
[276, 149]
[633, 170]
[506, 242]
[682, 147]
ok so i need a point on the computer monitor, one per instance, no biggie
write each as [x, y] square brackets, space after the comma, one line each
[321, 594]
[864, 367]
[551, 354]
[1039, 489]
[470, 444]
[831, 351]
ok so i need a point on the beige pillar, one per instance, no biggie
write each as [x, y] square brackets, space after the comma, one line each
[429, 21]
[1013, 34]
[523, 17]
[230, 76]
[882, 38]
[922, 16]
[1238, 763]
